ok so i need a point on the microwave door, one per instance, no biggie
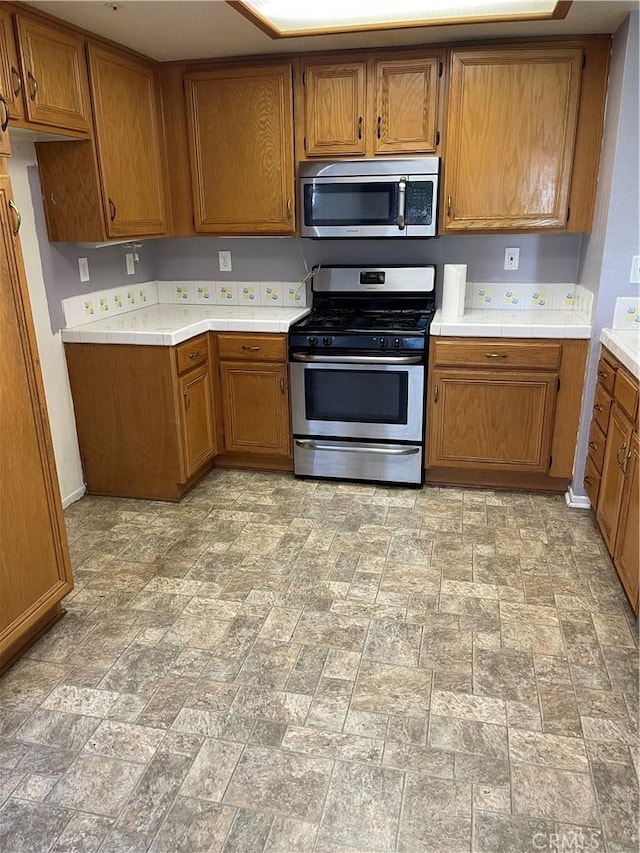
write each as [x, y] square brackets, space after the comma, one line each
[360, 206]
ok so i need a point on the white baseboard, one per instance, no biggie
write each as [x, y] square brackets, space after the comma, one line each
[576, 501]
[67, 500]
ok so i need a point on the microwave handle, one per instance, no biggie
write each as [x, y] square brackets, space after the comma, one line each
[402, 203]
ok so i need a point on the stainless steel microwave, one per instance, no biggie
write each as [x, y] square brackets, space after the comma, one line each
[369, 198]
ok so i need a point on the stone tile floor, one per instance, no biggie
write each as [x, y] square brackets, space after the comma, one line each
[287, 665]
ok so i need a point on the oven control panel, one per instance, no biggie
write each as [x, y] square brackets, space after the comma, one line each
[364, 343]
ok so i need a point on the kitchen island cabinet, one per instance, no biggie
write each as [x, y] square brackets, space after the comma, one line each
[35, 570]
[503, 413]
[611, 472]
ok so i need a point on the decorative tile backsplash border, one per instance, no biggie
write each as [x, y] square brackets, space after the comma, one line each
[88, 307]
[626, 314]
[528, 297]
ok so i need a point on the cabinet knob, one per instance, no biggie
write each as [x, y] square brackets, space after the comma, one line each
[194, 354]
[598, 407]
[602, 374]
[587, 481]
[593, 445]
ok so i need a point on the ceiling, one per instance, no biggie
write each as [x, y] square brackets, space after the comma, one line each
[198, 29]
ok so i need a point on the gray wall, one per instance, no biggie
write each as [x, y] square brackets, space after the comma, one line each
[605, 262]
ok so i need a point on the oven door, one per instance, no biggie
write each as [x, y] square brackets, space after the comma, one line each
[368, 397]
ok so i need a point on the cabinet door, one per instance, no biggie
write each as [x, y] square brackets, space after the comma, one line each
[499, 421]
[197, 419]
[34, 563]
[10, 77]
[627, 553]
[255, 407]
[510, 138]
[54, 72]
[128, 143]
[406, 106]
[334, 108]
[611, 485]
[240, 123]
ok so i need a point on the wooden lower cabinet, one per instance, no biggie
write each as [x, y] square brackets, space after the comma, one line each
[145, 425]
[503, 412]
[35, 571]
[614, 487]
[254, 391]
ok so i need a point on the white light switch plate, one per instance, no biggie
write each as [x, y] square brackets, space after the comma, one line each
[131, 267]
[224, 261]
[83, 266]
[635, 270]
[511, 259]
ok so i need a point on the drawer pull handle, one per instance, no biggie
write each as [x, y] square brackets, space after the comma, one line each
[625, 464]
[435, 393]
[34, 86]
[7, 114]
[379, 127]
[449, 205]
[588, 481]
[251, 349]
[602, 374]
[18, 86]
[282, 388]
[112, 209]
[360, 127]
[598, 407]
[621, 451]
[194, 354]
[289, 209]
[593, 445]
[495, 355]
[187, 400]
[16, 227]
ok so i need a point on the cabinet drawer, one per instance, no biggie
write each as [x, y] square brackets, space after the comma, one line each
[192, 353]
[496, 354]
[626, 393]
[256, 347]
[601, 408]
[592, 482]
[606, 374]
[597, 441]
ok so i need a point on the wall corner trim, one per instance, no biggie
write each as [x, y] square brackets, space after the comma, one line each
[576, 501]
[67, 500]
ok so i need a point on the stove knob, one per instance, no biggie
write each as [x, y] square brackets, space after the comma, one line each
[312, 340]
[397, 343]
[327, 341]
[384, 343]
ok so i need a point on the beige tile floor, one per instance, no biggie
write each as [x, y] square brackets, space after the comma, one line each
[286, 665]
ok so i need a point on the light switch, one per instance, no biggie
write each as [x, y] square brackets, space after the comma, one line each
[131, 267]
[83, 266]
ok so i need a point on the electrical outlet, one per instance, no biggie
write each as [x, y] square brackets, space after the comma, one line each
[224, 261]
[511, 259]
[131, 267]
[83, 266]
[635, 270]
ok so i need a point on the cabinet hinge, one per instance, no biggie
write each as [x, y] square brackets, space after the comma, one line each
[437, 137]
[440, 69]
[584, 60]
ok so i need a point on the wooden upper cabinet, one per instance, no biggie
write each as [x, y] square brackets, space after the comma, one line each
[128, 143]
[54, 75]
[406, 106]
[240, 125]
[334, 108]
[10, 77]
[511, 131]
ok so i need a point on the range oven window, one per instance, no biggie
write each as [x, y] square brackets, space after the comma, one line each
[362, 396]
[351, 204]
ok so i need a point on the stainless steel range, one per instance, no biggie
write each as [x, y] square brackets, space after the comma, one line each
[358, 367]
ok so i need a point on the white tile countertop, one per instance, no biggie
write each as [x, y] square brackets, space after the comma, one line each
[168, 325]
[625, 345]
[502, 323]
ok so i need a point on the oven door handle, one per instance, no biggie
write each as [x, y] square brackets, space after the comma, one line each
[386, 449]
[357, 359]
